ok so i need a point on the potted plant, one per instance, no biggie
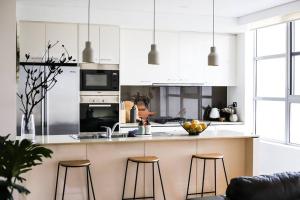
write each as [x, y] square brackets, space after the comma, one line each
[16, 158]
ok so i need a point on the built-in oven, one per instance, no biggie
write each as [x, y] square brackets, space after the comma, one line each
[97, 112]
[99, 78]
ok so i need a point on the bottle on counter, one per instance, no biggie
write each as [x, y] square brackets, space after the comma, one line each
[141, 128]
[147, 127]
[133, 112]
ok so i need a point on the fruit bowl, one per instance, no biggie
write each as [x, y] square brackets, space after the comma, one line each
[194, 127]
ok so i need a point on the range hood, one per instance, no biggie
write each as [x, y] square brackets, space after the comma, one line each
[178, 84]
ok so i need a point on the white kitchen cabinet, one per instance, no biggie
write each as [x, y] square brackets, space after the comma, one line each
[135, 46]
[168, 49]
[94, 38]
[225, 73]
[193, 57]
[109, 44]
[32, 40]
[134, 49]
[67, 35]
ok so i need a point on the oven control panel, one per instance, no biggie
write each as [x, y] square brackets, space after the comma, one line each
[99, 99]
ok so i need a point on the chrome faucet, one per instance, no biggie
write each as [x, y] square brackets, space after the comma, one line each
[110, 131]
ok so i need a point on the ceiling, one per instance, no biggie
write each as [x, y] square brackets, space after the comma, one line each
[224, 8]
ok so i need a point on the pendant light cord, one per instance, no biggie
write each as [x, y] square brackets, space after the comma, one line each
[154, 20]
[213, 23]
[89, 16]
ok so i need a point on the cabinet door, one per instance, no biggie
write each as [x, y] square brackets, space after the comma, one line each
[67, 35]
[225, 73]
[109, 44]
[32, 40]
[193, 50]
[168, 49]
[94, 38]
[134, 49]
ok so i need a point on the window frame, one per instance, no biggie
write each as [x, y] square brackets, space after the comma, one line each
[289, 83]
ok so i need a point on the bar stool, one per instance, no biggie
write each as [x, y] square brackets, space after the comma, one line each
[74, 164]
[210, 156]
[146, 160]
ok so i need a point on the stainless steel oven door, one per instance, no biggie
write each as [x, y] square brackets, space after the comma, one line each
[98, 112]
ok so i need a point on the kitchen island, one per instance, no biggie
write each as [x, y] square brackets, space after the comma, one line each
[108, 158]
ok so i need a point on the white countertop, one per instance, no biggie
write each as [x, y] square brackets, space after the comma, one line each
[165, 136]
[172, 124]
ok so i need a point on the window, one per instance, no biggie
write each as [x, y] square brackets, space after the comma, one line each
[277, 82]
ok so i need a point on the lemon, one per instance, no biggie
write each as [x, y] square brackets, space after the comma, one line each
[187, 125]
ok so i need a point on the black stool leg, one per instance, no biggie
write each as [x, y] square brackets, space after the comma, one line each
[56, 182]
[125, 180]
[162, 186]
[203, 178]
[153, 181]
[188, 186]
[87, 183]
[65, 180]
[225, 171]
[136, 177]
[89, 171]
[215, 177]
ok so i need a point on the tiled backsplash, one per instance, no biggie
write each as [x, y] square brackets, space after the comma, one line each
[185, 101]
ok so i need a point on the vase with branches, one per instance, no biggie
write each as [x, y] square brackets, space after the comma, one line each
[38, 81]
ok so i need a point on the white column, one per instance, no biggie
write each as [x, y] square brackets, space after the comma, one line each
[7, 67]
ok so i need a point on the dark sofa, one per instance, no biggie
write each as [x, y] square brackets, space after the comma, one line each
[281, 186]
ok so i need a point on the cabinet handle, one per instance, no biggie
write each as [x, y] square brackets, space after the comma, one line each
[105, 59]
[100, 106]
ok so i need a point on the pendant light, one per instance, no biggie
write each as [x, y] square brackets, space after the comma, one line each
[87, 53]
[153, 56]
[213, 57]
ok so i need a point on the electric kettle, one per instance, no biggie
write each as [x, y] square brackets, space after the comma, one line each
[214, 113]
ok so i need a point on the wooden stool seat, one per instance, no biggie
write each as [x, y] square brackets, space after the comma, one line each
[209, 156]
[206, 156]
[144, 159]
[149, 160]
[72, 164]
[75, 163]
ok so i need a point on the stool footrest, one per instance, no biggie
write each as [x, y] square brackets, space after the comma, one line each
[201, 193]
[138, 198]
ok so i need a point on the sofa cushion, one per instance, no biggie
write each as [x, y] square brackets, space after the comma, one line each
[281, 186]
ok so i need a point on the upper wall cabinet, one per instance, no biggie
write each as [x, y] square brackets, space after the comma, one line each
[94, 38]
[66, 34]
[109, 44]
[32, 40]
[193, 49]
[225, 73]
[135, 46]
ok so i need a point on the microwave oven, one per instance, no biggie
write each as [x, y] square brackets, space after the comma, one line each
[99, 79]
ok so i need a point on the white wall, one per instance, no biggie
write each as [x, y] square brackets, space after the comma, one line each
[243, 92]
[275, 158]
[8, 67]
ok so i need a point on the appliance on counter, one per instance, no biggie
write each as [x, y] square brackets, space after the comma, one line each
[58, 113]
[98, 111]
[99, 77]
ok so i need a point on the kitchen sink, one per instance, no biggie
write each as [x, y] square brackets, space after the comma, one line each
[96, 136]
